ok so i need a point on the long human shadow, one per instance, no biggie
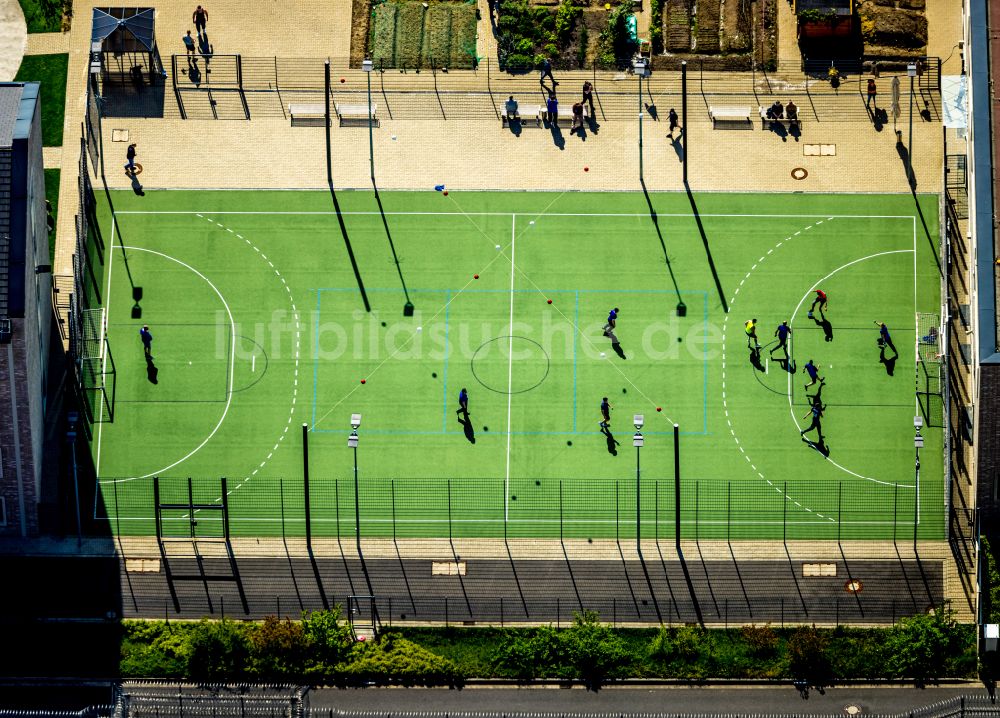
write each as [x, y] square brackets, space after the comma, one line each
[467, 428]
[888, 362]
[336, 203]
[613, 443]
[659, 234]
[152, 372]
[708, 250]
[392, 245]
[824, 324]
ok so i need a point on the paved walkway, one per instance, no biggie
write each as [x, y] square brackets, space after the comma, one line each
[13, 37]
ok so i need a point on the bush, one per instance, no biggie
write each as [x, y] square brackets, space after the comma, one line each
[992, 592]
[153, 649]
[329, 638]
[920, 646]
[593, 648]
[761, 641]
[807, 656]
[530, 654]
[397, 660]
[278, 649]
[217, 650]
[615, 41]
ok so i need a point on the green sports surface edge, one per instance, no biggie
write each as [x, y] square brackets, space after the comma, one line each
[260, 327]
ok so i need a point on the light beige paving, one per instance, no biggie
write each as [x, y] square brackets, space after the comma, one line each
[47, 43]
[52, 157]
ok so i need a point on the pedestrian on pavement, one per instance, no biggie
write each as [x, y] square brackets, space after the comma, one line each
[130, 156]
[884, 340]
[674, 123]
[871, 104]
[751, 329]
[588, 97]
[818, 301]
[605, 413]
[577, 117]
[547, 72]
[816, 411]
[552, 109]
[147, 341]
[189, 43]
[200, 17]
[463, 402]
[782, 333]
[813, 373]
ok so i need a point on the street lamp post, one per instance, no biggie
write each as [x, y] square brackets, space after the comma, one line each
[352, 443]
[911, 70]
[640, 66]
[918, 444]
[637, 441]
[368, 66]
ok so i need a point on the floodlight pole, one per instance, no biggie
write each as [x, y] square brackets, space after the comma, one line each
[326, 117]
[305, 482]
[684, 120]
[638, 494]
[640, 73]
[357, 504]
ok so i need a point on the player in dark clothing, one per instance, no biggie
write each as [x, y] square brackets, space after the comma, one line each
[147, 340]
[782, 333]
[819, 301]
[884, 340]
[463, 402]
[609, 326]
[200, 18]
[816, 411]
[605, 413]
[813, 373]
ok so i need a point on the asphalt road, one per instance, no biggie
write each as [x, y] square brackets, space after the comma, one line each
[681, 699]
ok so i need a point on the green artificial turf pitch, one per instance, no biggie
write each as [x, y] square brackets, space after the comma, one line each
[259, 327]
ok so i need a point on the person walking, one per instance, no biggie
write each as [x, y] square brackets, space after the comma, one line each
[782, 333]
[130, 156]
[816, 412]
[547, 72]
[200, 18]
[609, 326]
[674, 123]
[813, 373]
[884, 340]
[463, 402]
[189, 43]
[605, 413]
[751, 329]
[588, 97]
[147, 341]
[872, 104]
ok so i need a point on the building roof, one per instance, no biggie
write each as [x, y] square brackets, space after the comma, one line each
[10, 106]
[139, 25]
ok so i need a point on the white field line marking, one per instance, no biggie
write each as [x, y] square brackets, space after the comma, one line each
[791, 408]
[510, 364]
[107, 300]
[253, 362]
[542, 214]
[232, 356]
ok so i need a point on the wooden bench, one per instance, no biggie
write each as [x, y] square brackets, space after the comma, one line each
[356, 114]
[307, 115]
[524, 113]
[767, 122]
[728, 113]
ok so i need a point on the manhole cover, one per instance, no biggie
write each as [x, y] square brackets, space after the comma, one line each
[854, 586]
[853, 710]
[136, 171]
[800, 173]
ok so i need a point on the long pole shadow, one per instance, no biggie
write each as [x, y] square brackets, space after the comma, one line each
[663, 245]
[739, 576]
[517, 580]
[319, 579]
[708, 579]
[649, 585]
[850, 577]
[291, 573]
[708, 250]
[690, 585]
[795, 578]
[392, 245]
[927, 231]
[333, 195]
[635, 601]
[666, 578]
[234, 567]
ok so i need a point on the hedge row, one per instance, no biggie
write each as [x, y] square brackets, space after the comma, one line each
[320, 649]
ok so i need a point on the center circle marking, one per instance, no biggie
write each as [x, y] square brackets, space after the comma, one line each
[513, 344]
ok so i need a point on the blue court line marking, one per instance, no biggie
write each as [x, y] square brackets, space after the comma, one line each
[315, 339]
[576, 323]
[444, 421]
[447, 352]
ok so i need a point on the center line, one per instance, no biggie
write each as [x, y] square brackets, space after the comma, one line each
[510, 364]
